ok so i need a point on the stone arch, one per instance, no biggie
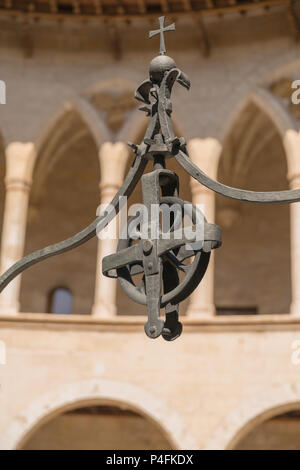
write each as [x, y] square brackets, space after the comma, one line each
[53, 140]
[253, 142]
[89, 392]
[252, 412]
[266, 103]
[76, 131]
[85, 112]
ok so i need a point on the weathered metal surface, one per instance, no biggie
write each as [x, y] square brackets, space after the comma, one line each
[161, 255]
[158, 259]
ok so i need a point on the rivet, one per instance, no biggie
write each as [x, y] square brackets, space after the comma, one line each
[147, 246]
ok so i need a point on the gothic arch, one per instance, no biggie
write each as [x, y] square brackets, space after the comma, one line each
[2, 156]
[254, 142]
[91, 392]
[267, 103]
[252, 412]
[85, 112]
[270, 106]
[75, 120]
[264, 108]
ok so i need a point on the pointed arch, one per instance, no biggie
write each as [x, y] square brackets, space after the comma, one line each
[259, 107]
[254, 158]
[268, 104]
[85, 112]
[75, 120]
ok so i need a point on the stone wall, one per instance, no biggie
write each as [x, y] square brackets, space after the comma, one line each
[188, 388]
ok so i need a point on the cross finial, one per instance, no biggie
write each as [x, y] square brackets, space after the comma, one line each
[161, 30]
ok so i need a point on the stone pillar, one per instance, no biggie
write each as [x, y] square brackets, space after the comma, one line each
[20, 158]
[205, 153]
[113, 159]
[291, 143]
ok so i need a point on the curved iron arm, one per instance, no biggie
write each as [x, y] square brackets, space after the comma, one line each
[270, 197]
[86, 234]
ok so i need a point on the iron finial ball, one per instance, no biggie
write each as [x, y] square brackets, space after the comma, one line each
[159, 65]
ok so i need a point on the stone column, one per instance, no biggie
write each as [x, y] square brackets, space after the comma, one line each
[113, 159]
[291, 143]
[20, 158]
[205, 153]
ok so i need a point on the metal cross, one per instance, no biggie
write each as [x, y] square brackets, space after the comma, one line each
[161, 30]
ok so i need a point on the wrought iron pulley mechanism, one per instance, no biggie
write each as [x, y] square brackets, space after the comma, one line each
[160, 255]
[159, 262]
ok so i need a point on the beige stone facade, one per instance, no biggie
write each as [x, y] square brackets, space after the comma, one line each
[92, 379]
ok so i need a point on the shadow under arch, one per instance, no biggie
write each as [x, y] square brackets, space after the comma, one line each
[242, 122]
[88, 115]
[91, 392]
[252, 412]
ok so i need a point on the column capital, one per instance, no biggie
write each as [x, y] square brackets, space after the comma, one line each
[20, 159]
[113, 160]
[205, 153]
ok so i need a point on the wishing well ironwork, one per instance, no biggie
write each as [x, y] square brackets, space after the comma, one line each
[158, 271]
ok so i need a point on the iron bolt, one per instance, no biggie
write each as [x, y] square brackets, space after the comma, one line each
[147, 246]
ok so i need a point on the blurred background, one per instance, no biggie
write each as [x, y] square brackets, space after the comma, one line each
[79, 371]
